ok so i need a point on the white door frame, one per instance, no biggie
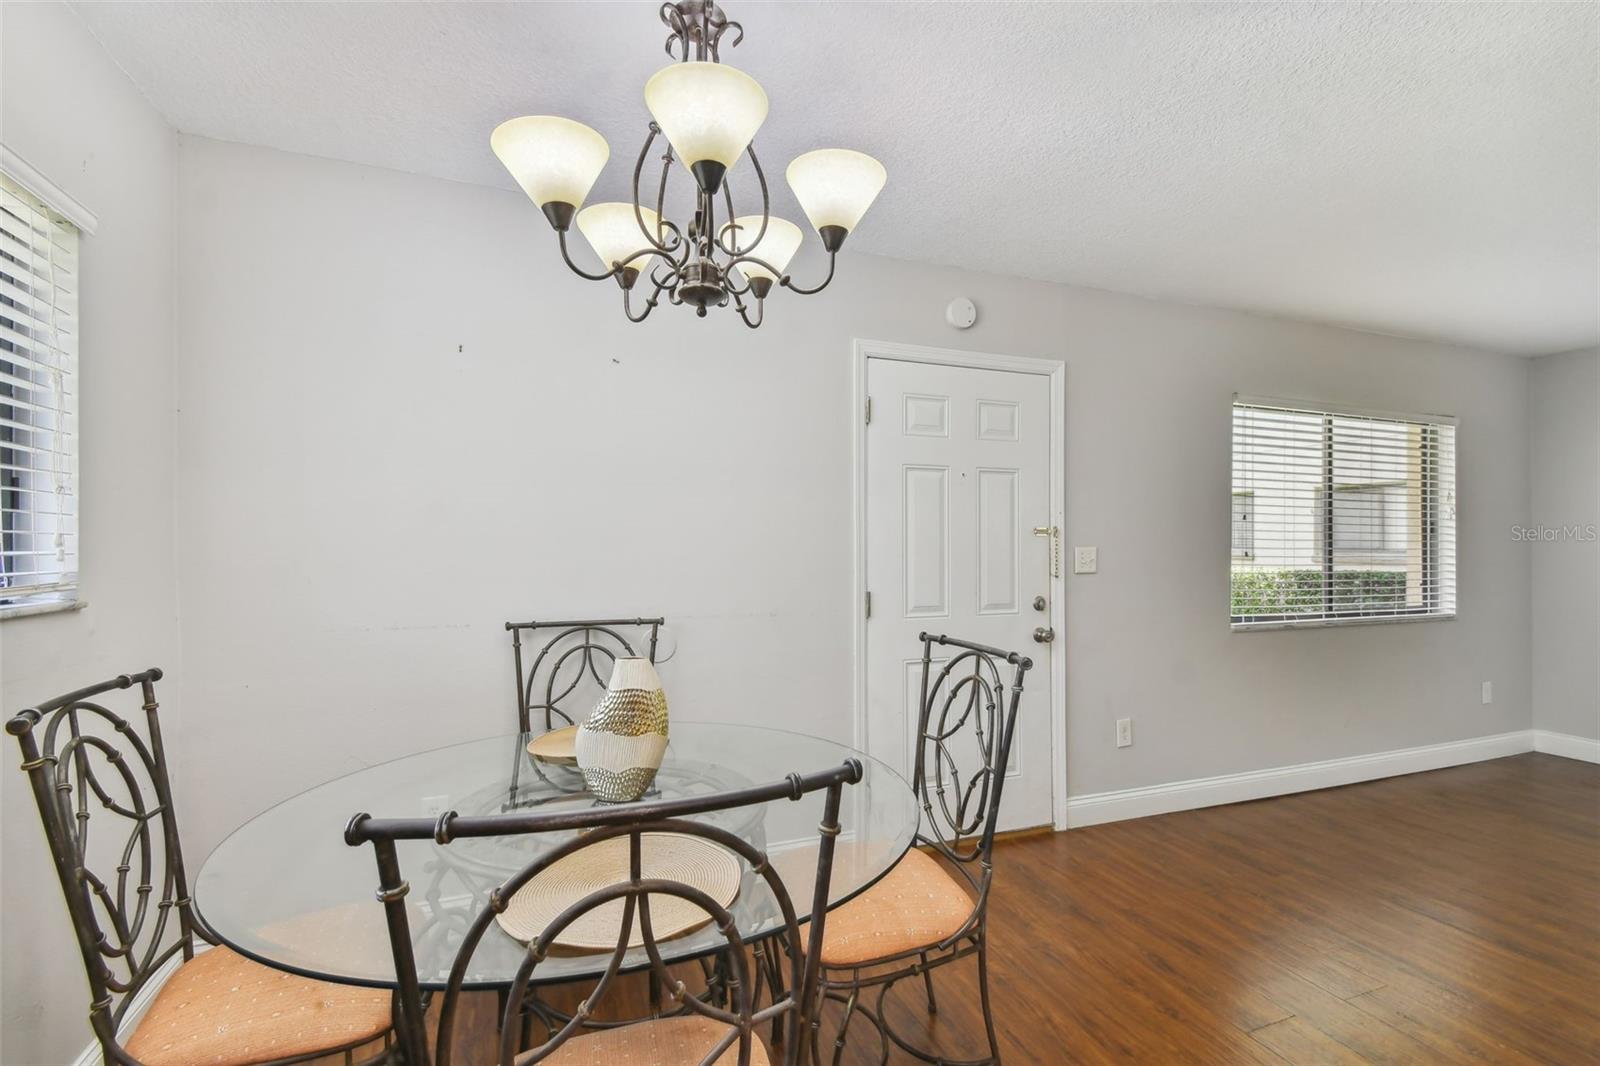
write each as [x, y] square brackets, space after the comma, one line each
[1056, 371]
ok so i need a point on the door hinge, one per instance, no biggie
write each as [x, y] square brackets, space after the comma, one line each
[869, 605]
[869, 410]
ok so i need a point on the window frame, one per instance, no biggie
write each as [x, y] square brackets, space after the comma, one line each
[60, 207]
[1431, 504]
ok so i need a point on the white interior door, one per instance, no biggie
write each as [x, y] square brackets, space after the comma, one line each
[957, 477]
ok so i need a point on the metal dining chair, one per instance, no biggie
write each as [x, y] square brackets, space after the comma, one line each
[564, 653]
[699, 1030]
[87, 764]
[925, 914]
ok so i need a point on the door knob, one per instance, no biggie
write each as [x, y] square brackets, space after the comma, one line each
[1040, 603]
[1044, 634]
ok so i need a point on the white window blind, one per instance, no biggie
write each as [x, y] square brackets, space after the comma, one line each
[1352, 516]
[38, 401]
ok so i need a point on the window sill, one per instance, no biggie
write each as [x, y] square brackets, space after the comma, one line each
[27, 610]
[1326, 623]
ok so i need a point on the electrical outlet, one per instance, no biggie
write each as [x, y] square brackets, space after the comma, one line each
[1084, 560]
[433, 806]
[1124, 732]
[1488, 692]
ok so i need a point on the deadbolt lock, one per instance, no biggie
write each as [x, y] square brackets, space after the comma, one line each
[1054, 533]
[1040, 603]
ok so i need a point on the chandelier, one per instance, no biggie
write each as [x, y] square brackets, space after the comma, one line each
[708, 113]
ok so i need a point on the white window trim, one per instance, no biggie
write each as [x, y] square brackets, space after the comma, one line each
[33, 181]
[29, 177]
[26, 610]
[1306, 407]
[1330, 408]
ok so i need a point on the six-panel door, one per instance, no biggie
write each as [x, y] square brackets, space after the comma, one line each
[958, 477]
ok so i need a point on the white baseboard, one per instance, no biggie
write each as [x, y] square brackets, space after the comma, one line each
[1566, 745]
[1281, 781]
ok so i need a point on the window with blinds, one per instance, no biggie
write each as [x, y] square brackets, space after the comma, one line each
[1340, 516]
[38, 402]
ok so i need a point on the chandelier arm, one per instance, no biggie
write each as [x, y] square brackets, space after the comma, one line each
[645, 253]
[627, 307]
[672, 276]
[638, 213]
[576, 269]
[669, 226]
[788, 282]
[768, 267]
[766, 198]
[670, 282]
[661, 200]
[766, 207]
[675, 271]
[744, 316]
[727, 195]
[758, 261]
[655, 294]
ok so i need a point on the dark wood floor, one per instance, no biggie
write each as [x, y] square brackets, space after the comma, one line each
[1451, 916]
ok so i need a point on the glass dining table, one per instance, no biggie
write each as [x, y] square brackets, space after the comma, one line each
[286, 890]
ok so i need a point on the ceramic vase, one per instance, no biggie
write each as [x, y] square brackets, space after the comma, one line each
[620, 745]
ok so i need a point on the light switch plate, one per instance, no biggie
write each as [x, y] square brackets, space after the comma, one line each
[1084, 560]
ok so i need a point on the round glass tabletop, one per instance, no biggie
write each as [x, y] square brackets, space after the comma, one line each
[286, 890]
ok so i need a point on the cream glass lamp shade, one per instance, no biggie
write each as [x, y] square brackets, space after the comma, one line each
[555, 160]
[835, 186]
[709, 111]
[613, 232]
[777, 246]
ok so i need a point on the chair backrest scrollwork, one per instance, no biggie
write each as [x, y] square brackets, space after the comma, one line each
[967, 714]
[595, 826]
[564, 655]
[90, 769]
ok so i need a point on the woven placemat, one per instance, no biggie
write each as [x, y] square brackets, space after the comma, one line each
[557, 746]
[689, 860]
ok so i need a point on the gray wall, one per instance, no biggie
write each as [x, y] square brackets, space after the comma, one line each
[1564, 480]
[70, 112]
[403, 422]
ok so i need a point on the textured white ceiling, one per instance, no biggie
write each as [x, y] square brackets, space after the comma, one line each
[1420, 169]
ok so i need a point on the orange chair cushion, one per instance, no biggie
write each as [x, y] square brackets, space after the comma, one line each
[221, 1009]
[915, 905]
[681, 1041]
